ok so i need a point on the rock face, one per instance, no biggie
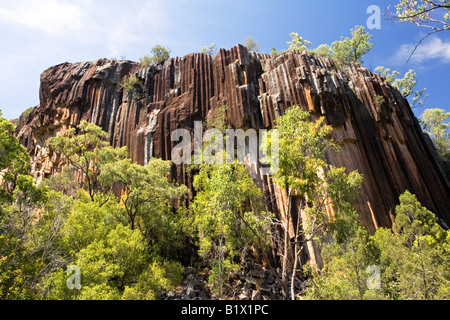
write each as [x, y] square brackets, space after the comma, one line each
[375, 126]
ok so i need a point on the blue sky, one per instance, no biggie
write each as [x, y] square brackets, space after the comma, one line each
[35, 35]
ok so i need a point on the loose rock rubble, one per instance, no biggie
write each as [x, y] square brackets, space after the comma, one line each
[254, 284]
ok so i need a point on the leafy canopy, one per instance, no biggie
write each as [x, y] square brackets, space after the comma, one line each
[157, 55]
[405, 85]
[143, 186]
[353, 49]
[14, 159]
[85, 149]
[251, 44]
[433, 123]
[412, 257]
[209, 50]
[298, 43]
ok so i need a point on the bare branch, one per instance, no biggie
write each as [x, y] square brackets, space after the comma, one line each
[419, 43]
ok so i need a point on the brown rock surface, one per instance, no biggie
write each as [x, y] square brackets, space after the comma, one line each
[384, 142]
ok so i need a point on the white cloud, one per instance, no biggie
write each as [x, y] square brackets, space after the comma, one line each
[111, 25]
[434, 48]
[39, 34]
[52, 16]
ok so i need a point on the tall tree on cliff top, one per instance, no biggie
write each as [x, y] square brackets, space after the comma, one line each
[157, 54]
[298, 43]
[251, 44]
[353, 49]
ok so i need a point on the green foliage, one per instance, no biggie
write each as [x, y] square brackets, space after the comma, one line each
[116, 267]
[156, 278]
[228, 218]
[209, 50]
[111, 256]
[14, 160]
[432, 121]
[146, 61]
[303, 144]
[157, 55]
[24, 116]
[418, 253]
[132, 86]
[86, 150]
[342, 189]
[20, 263]
[302, 147]
[88, 223]
[344, 276]
[16, 268]
[413, 259]
[46, 228]
[275, 52]
[405, 85]
[251, 44]
[147, 199]
[352, 50]
[298, 43]
[380, 100]
[217, 119]
[64, 182]
[324, 50]
[145, 187]
[303, 170]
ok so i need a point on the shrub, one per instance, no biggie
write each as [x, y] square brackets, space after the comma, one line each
[158, 54]
[132, 85]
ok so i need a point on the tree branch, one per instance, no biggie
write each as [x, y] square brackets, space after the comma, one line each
[420, 42]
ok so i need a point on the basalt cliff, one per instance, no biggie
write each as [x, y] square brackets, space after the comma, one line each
[375, 126]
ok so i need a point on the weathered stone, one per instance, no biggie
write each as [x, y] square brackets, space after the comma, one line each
[203, 295]
[256, 273]
[190, 292]
[264, 289]
[243, 296]
[189, 271]
[190, 277]
[383, 142]
[256, 295]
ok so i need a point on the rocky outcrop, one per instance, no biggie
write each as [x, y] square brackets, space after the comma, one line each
[378, 133]
[252, 283]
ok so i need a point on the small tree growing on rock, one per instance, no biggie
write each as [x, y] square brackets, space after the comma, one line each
[209, 50]
[352, 50]
[158, 54]
[251, 44]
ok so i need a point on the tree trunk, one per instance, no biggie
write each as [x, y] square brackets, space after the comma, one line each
[287, 246]
[296, 253]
